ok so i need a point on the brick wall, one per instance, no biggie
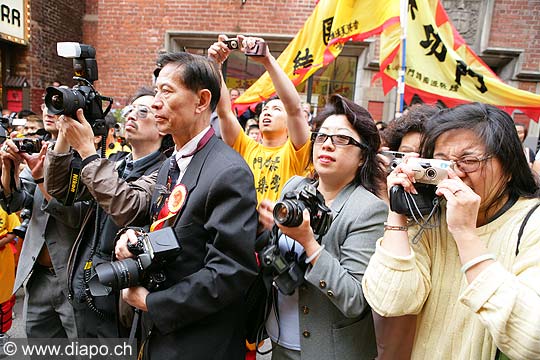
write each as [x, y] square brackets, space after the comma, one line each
[130, 33]
[51, 21]
[516, 24]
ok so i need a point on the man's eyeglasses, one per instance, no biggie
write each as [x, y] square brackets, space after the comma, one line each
[470, 164]
[336, 139]
[142, 111]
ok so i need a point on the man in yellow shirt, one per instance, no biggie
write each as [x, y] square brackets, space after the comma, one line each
[285, 147]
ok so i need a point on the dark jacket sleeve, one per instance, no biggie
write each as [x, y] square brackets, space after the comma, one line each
[126, 203]
[229, 264]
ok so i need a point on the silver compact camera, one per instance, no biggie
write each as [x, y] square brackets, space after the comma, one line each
[429, 171]
[426, 171]
[392, 159]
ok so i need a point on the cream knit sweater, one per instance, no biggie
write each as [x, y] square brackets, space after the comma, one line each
[456, 320]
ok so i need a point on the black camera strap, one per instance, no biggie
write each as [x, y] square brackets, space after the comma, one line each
[74, 180]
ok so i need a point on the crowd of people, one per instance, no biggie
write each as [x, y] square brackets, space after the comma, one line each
[315, 223]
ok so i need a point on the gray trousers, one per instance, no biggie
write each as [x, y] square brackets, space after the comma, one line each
[47, 312]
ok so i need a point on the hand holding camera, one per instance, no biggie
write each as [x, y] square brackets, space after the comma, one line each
[79, 134]
[408, 199]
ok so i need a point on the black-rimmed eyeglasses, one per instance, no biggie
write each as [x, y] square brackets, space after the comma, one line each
[141, 111]
[336, 139]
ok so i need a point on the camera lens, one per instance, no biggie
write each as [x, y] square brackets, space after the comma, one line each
[431, 173]
[57, 102]
[119, 274]
[63, 101]
[288, 213]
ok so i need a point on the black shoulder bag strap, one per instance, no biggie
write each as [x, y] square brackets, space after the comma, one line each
[499, 355]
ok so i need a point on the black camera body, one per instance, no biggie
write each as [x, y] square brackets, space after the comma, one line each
[288, 269]
[153, 251]
[232, 44]
[65, 101]
[20, 231]
[28, 145]
[288, 274]
[288, 212]
[413, 205]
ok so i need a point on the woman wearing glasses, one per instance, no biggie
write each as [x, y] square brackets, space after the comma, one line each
[473, 284]
[327, 316]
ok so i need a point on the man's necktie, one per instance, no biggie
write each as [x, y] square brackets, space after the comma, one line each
[161, 209]
[174, 173]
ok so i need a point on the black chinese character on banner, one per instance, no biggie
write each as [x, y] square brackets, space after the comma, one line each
[412, 8]
[433, 44]
[463, 70]
[257, 160]
[327, 30]
[302, 61]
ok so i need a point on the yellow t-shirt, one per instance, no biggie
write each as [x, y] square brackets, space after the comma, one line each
[7, 259]
[272, 166]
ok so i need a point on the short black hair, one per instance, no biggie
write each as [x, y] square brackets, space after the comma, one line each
[142, 91]
[195, 72]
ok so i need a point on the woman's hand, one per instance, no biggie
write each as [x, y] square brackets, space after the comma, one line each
[462, 205]
[303, 233]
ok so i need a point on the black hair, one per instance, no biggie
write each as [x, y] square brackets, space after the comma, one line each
[412, 120]
[25, 113]
[526, 130]
[142, 91]
[496, 130]
[195, 72]
[370, 173]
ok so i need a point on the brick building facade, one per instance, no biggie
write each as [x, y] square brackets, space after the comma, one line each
[128, 34]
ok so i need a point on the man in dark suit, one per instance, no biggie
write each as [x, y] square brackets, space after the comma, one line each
[199, 312]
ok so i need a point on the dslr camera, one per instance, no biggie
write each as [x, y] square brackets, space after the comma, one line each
[287, 269]
[153, 251]
[288, 212]
[65, 101]
[28, 145]
[11, 120]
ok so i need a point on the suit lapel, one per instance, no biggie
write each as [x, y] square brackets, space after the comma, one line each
[340, 200]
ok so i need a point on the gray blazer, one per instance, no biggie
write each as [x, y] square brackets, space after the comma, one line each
[51, 223]
[335, 319]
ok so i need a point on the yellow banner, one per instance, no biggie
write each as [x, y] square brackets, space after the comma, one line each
[320, 41]
[441, 66]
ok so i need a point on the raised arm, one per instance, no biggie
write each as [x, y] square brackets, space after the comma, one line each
[228, 123]
[296, 123]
